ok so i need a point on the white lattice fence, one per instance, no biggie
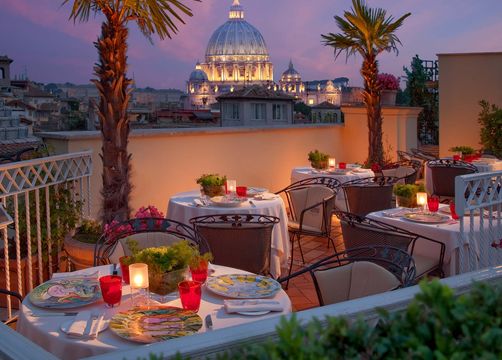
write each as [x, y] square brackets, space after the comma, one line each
[478, 200]
[31, 193]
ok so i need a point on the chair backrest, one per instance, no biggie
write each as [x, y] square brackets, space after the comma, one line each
[148, 232]
[241, 241]
[405, 174]
[363, 196]
[444, 172]
[311, 201]
[423, 154]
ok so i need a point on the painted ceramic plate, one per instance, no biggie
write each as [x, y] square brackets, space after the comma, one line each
[243, 286]
[65, 293]
[153, 324]
[427, 218]
[254, 313]
[222, 201]
[252, 191]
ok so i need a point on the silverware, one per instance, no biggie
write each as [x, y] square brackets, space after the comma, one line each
[96, 325]
[44, 314]
[209, 322]
[252, 203]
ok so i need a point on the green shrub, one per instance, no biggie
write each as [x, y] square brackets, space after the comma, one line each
[211, 180]
[465, 150]
[435, 325]
[408, 190]
[490, 119]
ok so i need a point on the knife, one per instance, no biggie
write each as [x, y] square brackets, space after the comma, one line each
[209, 322]
[43, 314]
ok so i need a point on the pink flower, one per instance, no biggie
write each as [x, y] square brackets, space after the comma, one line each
[388, 81]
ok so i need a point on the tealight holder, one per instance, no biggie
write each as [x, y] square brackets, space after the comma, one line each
[331, 163]
[138, 279]
[231, 186]
[422, 199]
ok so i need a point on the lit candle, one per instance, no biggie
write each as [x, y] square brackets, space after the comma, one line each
[231, 186]
[332, 163]
[138, 275]
[422, 199]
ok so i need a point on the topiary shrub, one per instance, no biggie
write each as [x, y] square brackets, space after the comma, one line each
[490, 119]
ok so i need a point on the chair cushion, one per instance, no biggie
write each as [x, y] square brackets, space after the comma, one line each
[424, 264]
[369, 278]
[334, 283]
[295, 226]
[306, 197]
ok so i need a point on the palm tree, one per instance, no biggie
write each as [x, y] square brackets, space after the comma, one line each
[151, 17]
[367, 32]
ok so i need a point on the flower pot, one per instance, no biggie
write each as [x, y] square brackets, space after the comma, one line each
[319, 165]
[80, 254]
[402, 201]
[163, 283]
[213, 190]
[388, 97]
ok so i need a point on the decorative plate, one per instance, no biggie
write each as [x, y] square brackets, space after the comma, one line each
[426, 218]
[65, 293]
[339, 171]
[223, 201]
[243, 286]
[153, 324]
[252, 191]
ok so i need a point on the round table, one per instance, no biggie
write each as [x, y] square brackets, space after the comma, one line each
[45, 331]
[300, 173]
[182, 208]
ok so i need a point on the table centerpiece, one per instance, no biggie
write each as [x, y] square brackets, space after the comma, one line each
[212, 184]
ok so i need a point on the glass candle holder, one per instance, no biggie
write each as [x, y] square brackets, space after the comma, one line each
[190, 294]
[231, 186]
[433, 203]
[111, 289]
[138, 278]
[331, 163]
[422, 199]
[342, 165]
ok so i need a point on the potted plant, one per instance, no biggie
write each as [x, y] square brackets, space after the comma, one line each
[406, 194]
[318, 160]
[468, 153]
[212, 184]
[79, 244]
[389, 84]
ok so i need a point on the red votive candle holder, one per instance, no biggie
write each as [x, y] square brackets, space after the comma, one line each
[190, 294]
[433, 203]
[241, 191]
[199, 273]
[456, 157]
[111, 289]
[452, 210]
[342, 165]
[124, 269]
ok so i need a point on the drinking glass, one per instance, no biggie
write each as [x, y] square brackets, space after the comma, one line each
[454, 215]
[111, 289]
[199, 272]
[242, 191]
[124, 269]
[190, 294]
[433, 203]
[342, 165]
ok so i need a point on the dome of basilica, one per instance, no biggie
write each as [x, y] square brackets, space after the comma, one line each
[236, 40]
[290, 73]
[198, 75]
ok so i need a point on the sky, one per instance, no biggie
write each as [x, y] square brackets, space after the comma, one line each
[49, 48]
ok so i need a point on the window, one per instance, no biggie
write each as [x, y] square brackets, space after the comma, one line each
[231, 111]
[258, 111]
[278, 112]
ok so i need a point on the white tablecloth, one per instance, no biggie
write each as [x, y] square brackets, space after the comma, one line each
[483, 165]
[301, 173]
[45, 331]
[182, 208]
[449, 234]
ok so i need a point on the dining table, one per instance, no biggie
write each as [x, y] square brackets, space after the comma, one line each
[186, 205]
[45, 329]
[352, 172]
[448, 232]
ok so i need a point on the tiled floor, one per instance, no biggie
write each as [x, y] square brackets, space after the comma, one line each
[301, 289]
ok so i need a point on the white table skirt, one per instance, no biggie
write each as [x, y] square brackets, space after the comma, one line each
[481, 165]
[300, 173]
[182, 208]
[448, 234]
[45, 331]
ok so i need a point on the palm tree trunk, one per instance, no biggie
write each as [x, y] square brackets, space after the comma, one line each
[113, 85]
[371, 96]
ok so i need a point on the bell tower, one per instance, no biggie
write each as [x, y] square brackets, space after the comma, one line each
[5, 62]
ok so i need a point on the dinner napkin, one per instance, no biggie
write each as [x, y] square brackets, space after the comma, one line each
[266, 196]
[234, 306]
[78, 327]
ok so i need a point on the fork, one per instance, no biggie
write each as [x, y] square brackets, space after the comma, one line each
[252, 203]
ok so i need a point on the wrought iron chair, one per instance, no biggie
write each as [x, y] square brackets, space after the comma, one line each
[148, 232]
[359, 272]
[11, 319]
[404, 156]
[311, 203]
[361, 231]
[404, 172]
[241, 241]
[426, 156]
[366, 195]
[443, 174]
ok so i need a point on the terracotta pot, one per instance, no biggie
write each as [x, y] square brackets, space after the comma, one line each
[213, 190]
[388, 97]
[80, 254]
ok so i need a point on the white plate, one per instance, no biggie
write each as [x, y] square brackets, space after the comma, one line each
[252, 191]
[253, 313]
[65, 326]
[221, 201]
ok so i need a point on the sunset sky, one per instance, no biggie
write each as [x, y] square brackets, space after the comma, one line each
[39, 37]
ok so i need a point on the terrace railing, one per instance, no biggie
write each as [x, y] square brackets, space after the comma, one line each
[29, 192]
[479, 197]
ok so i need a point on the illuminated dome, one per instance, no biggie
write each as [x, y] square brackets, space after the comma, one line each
[198, 74]
[236, 40]
[291, 74]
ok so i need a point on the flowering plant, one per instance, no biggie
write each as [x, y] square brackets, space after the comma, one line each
[388, 81]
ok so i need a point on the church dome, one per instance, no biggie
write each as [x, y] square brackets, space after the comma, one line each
[236, 40]
[198, 75]
[290, 74]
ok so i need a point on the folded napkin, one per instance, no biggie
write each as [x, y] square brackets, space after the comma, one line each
[266, 196]
[198, 202]
[78, 327]
[234, 306]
